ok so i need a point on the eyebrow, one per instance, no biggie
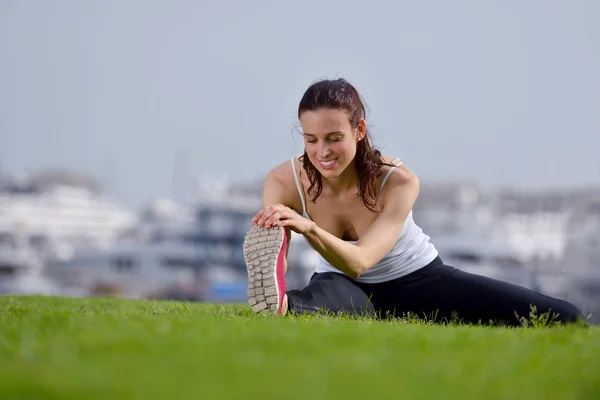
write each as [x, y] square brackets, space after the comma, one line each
[327, 134]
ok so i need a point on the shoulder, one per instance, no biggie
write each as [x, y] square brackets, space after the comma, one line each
[280, 186]
[400, 174]
[281, 174]
[401, 181]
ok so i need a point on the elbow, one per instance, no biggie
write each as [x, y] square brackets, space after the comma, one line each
[357, 270]
[352, 274]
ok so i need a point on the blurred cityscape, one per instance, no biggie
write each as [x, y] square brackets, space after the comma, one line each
[60, 234]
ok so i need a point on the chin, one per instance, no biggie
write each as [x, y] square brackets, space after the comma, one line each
[330, 173]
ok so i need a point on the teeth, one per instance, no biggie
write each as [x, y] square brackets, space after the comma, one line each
[327, 162]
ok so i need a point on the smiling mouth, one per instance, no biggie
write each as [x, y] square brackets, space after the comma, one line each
[328, 163]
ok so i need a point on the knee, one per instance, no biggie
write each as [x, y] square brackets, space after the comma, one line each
[552, 310]
[569, 313]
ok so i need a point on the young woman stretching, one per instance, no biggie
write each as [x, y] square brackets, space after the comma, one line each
[354, 207]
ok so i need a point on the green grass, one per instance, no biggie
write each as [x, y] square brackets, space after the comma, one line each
[61, 348]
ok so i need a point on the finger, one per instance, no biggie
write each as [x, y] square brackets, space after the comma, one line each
[272, 219]
[258, 215]
[265, 215]
[272, 214]
[284, 213]
[288, 224]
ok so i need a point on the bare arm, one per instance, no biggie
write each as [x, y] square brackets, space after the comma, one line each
[281, 203]
[275, 191]
[355, 259]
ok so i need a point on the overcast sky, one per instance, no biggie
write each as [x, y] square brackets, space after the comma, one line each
[501, 93]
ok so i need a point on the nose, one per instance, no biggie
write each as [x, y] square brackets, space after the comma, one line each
[323, 150]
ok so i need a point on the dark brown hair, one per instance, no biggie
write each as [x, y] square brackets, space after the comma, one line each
[340, 94]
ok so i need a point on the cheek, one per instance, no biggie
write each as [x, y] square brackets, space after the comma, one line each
[310, 148]
[343, 148]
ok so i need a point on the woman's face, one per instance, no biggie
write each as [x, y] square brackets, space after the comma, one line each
[330, 140]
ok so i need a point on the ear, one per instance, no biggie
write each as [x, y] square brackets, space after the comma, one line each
[361, 129]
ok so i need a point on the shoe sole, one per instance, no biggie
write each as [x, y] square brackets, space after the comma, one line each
[264, 252]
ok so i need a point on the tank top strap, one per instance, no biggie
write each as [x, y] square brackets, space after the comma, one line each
[298, 186]
[385, 178]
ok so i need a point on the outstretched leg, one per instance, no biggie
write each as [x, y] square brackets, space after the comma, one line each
[331, 292]
[445, 293]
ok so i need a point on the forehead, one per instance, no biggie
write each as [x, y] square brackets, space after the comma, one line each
[324, 120]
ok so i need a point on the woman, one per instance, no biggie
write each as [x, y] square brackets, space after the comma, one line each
[354, 207]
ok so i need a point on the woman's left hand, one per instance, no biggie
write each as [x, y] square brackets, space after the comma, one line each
[280, 215]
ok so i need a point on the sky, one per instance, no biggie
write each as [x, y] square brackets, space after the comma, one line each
[146, 96]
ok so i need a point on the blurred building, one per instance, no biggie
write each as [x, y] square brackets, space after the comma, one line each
[62, 206]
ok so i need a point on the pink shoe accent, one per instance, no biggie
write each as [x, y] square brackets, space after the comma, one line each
[280, 273]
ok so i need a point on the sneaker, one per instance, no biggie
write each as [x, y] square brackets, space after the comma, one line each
[264, 252]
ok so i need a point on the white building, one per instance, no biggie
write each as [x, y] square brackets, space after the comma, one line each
[63, 212]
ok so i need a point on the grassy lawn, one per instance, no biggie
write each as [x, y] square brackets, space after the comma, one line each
[62, 348]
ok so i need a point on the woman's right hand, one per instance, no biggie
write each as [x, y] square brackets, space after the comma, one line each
[280, 215]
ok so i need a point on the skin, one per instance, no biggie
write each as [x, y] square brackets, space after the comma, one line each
[339, 215]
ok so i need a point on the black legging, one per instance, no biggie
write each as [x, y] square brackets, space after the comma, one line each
[436, 291]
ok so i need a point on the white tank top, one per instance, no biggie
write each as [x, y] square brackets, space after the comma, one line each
[412, 250]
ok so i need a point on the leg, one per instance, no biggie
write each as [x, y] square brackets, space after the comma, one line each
[447, 292]
[330, 292]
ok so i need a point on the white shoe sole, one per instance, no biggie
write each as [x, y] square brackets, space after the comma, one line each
[262, 249]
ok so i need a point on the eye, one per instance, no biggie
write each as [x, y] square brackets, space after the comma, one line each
[335, 139]
[312, 141]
